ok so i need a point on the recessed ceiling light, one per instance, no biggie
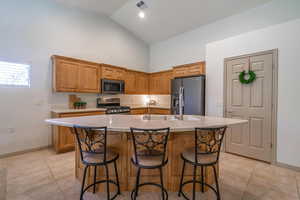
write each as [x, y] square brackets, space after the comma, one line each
[142, 14]
[142, 6]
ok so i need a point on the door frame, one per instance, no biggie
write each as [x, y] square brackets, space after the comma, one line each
[274, 52]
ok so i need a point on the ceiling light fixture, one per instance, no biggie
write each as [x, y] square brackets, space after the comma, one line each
[142, 14]
[142, 6]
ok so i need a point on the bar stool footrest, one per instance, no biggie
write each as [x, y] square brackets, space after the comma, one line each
[199, 182]
[153, 184]
[103, 181]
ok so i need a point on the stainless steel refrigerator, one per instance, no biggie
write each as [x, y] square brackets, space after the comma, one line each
[193, 95]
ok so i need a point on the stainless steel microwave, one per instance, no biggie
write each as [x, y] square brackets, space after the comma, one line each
[112, 86]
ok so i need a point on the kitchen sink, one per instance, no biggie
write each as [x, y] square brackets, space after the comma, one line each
[170, 117]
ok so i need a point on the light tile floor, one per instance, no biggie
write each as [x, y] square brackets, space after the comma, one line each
[44, 175]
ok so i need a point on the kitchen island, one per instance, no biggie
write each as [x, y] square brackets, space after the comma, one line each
[119, 139]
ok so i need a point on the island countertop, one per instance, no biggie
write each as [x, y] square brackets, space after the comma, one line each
[124, 122]
[181, 138]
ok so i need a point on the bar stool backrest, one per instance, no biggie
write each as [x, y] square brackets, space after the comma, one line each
[92, 140]
[208, 141]
[150, 142]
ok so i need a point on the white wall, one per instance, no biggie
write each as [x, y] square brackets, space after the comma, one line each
[286, 38]
[190, 46]
[33, 30]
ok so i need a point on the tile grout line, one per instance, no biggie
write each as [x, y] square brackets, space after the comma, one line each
[248, 182]
[297, 184]
[52, 174]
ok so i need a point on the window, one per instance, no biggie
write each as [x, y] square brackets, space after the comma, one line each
[12, 74]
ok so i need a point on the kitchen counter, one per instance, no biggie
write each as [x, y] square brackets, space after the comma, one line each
[119, 140]
[124, 122]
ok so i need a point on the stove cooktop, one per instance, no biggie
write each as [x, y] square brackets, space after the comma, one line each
[117, 109]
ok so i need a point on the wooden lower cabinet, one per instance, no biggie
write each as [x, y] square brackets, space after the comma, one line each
[62, 137]
[160, 111]
[122, 143]
[155, 111]
[139, 111]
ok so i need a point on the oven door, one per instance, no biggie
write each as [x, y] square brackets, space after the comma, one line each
[112, 87]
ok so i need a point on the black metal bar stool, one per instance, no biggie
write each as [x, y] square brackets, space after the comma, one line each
[150, 147]
[206, 153]
[92, 142]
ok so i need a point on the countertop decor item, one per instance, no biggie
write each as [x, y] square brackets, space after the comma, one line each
[80, 105]
[252, 77]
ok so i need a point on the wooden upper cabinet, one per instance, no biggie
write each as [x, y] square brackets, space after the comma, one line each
[136, 82]
[89, 78]
[142, 83]
[160, 82]
[130, 82]
[73, 75]
[112, 72]
[65, 75]
[193, 69]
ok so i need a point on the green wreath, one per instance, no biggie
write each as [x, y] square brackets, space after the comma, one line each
[252, 77]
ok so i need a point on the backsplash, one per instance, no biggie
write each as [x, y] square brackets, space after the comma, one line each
[61, 100]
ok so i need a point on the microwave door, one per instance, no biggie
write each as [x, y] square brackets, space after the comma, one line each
[112, 87]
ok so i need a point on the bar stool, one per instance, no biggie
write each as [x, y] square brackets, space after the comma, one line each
[149, 153]
[206, 153]
[92, 143]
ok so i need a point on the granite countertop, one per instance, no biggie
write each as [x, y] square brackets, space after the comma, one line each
[123, 123]
[67, 110]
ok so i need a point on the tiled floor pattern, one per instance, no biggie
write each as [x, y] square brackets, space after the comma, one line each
[43, 175]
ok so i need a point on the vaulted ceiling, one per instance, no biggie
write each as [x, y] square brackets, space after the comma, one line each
[165, 18]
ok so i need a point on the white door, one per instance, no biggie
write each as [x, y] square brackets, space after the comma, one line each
[252, 102]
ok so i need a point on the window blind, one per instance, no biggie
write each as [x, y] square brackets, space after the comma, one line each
[13, 74]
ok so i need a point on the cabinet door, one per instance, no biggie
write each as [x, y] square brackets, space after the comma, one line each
[110, 72]
[154, 84]
[193, 69]
[119, 74]
[179, 72]
[160, 83]
[139, 111]
[160, 111]
[142, 83]
[66, 75]
[66, 141]
[107, 72]
[130, 82]
[166, 82]
[88, 78]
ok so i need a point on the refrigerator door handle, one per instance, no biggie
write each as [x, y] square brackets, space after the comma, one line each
[182, 96]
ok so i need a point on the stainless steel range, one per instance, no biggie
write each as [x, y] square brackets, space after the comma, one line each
[112, 106]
